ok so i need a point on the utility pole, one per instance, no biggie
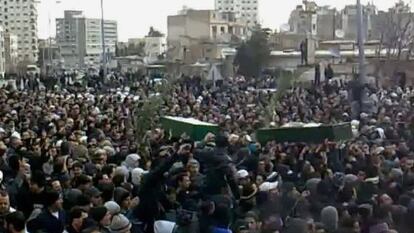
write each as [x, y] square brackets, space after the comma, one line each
[361, 60]
[103, 40]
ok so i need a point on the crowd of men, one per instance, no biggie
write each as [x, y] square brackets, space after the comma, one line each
[70, 162]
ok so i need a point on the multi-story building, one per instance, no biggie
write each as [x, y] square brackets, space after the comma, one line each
[196, 34]
[245, 10]
[11, 48]
[80, 39]
[303, 21]
[318, 21]
[328, 21]
[68, 37]
[350, 21]
[322, 22]
[155, 47]
[19, 17]
[49, 54]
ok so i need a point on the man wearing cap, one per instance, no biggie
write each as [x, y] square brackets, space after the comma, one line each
[95, 196]
[100, 218]
[120, 224]
[248, 191]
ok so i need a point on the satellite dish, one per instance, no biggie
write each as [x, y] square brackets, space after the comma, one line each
[339, 33]
[285, 28]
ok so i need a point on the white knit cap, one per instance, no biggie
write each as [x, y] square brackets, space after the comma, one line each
[242, 174]
[267, 186]
[164, 226]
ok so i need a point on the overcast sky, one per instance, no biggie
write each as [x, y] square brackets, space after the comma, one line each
[136, 16]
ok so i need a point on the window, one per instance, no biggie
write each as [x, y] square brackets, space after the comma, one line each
[230, 30]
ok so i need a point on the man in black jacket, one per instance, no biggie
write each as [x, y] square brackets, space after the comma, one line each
[52, 218]
[219, 170]
[152, 191]
[31, 195]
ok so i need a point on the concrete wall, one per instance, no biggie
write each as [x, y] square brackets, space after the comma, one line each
[155, 46]
[326, 27]
[198, 24]
[176, 27]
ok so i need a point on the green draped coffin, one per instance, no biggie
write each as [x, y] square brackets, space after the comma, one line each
[311, 134]
[191, 127]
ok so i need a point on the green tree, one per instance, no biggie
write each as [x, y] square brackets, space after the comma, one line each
[254, 54]
[284, 83]
[147, 112]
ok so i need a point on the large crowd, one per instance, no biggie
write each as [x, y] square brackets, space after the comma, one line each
[70, 160]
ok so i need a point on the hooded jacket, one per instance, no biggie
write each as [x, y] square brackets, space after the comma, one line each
[329, 218]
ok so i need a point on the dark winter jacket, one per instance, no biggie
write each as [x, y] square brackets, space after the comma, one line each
[47, 223]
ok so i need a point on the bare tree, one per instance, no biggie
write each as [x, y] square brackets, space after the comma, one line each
[396, 31]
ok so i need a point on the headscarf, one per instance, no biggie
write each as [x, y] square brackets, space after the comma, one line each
[131, 161]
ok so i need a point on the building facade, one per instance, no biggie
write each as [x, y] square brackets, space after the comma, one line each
[198, 34]
[19, 17]
[2, 53]
[49, 55]
[80, 39]
[244, 10]
[349, 20]
[303, 21]
[155, 47]
[327, 23]
[320, 22]
[11, 48]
